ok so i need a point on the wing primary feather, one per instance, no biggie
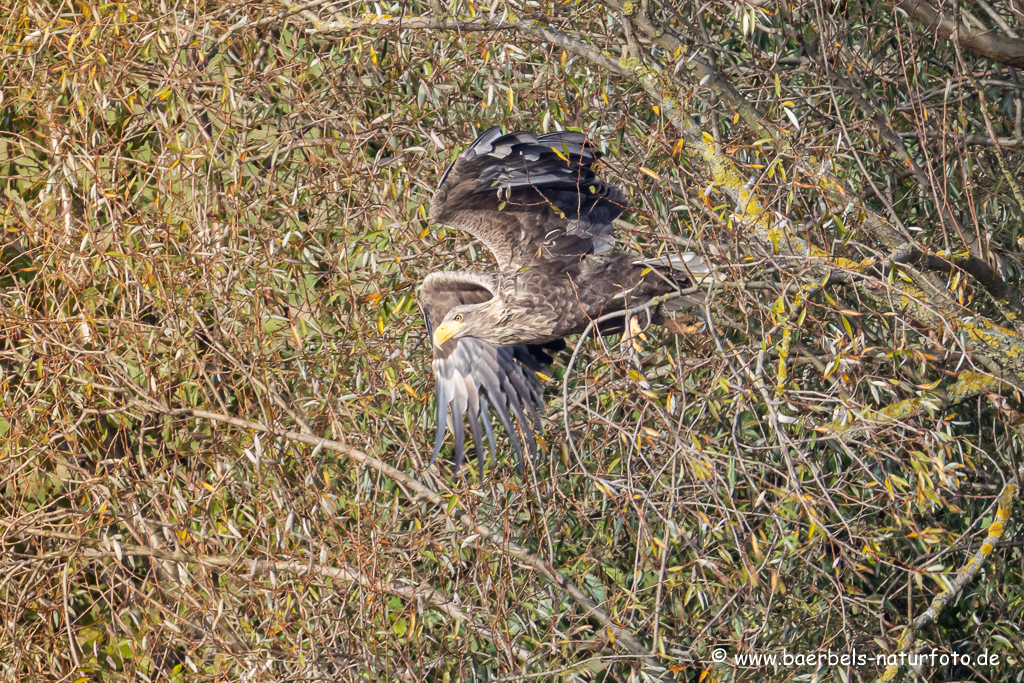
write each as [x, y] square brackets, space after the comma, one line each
[506, 423]
[531, 442]
[442, 419]
[528, 395]
[460, 437]
[524, 397]
[474, 430]
[484, 411]
[463, 383]
[504, 395]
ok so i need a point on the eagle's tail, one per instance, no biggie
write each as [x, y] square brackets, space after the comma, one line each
[686, 270]
[688, 262]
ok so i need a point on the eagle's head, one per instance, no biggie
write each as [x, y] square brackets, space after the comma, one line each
[492, 321]
[460, 321]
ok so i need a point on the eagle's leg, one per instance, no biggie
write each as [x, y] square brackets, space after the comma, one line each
[686, 324]
[635, 332]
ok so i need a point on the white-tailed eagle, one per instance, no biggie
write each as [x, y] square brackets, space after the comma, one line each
[537, 205]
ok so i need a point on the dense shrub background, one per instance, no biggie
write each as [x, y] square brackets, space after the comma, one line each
[222, 207]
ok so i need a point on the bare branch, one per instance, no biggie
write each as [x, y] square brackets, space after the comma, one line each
[994, 46]
[342, 572]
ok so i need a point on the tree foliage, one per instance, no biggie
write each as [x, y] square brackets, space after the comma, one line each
[215, 403]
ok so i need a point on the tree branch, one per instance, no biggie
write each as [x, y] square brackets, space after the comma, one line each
[341, 573]
[1004, 509]
[536, 29]
[967, 140]
[994, 46]
[967, 385]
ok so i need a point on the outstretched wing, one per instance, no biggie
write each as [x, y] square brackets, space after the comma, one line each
[529, 197]
[475, 378]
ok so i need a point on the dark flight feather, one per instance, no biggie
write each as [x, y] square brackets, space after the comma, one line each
[552, 200]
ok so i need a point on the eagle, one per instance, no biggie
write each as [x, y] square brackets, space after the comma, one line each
[535, 202]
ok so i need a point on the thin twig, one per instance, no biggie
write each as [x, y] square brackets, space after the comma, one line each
[422, 592]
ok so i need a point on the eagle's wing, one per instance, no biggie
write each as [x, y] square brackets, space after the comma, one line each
[474, 377]
[529, 197]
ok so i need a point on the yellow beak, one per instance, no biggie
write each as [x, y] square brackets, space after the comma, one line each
[446, 331]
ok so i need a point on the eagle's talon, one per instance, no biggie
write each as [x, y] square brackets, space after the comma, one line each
[636, 332]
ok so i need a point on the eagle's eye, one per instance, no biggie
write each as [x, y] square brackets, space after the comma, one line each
[458, 318]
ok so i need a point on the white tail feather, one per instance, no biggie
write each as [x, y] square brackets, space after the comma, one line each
[688, 262]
